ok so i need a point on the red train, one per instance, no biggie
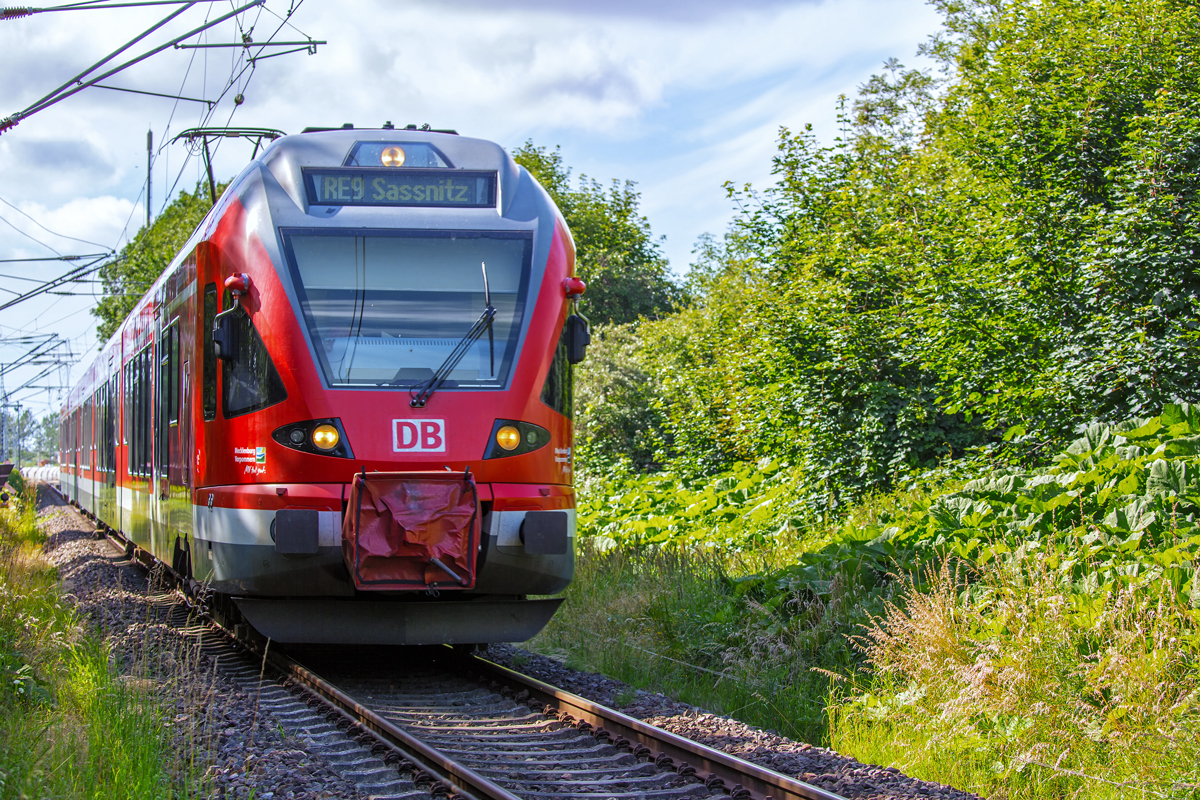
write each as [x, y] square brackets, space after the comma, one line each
[345, 407]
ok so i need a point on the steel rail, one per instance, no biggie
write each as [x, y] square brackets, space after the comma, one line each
[442, 766]
[761, 783]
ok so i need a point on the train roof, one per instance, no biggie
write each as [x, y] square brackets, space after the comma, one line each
[280, 171]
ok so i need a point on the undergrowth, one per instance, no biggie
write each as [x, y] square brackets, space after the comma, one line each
[1022, 634]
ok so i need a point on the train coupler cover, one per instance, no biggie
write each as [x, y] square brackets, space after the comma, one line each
[412, 530]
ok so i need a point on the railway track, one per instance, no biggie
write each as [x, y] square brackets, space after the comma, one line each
[439, 722]
[490, 732]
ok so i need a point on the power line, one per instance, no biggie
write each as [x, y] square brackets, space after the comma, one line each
[30, 237]
[47, 258]
[94, 5]
[77, 84]
[73, 275]
[47, 230]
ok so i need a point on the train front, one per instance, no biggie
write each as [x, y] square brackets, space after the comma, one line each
[383, 453]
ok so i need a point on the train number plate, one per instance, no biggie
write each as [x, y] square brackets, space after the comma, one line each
[419, 435]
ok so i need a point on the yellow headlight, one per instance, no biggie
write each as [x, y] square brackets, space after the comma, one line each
[392, 157]
[508, 437]
[325, 437]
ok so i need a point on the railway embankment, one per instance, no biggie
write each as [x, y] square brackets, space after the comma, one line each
[114, 696]
[215, 725]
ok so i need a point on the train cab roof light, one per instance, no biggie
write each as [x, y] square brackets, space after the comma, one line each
[392, 156]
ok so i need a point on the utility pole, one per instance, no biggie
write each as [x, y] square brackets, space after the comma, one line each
[3, 416]
[18, 407]
[149, 164]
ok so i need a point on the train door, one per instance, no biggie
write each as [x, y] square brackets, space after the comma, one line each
[121, 464]
[165, 392]
[87, 463]
[75, 455]
[201, 445]
[138, 415]
[110, 446]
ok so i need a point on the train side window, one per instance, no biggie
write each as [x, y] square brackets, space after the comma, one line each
[556, 391]
[173, 382]
[249, 380]
[86, 461]
[209, 356]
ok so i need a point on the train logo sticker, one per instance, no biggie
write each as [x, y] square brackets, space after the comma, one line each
[254, 458]
[419, 435]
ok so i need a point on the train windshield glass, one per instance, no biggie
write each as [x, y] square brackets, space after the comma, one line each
[386, 309]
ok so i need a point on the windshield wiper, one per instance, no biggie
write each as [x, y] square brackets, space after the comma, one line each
[421, 393]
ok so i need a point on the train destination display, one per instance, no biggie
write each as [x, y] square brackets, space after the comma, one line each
[340, 186]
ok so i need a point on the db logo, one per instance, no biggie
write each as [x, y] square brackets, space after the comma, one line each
[419, 435]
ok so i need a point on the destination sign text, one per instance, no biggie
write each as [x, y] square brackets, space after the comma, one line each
[341, 186]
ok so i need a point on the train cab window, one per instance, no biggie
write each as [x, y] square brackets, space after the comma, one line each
[249, 380]
[386, 309]
[209, 356]
[556, 391]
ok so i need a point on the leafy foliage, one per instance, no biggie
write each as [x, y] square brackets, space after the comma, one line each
[615, 252]
[1016, 630]
[996, 254]
[138, 265]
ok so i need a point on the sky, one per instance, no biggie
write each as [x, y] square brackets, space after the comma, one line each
[679, 96]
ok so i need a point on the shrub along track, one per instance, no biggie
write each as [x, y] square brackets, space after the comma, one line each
[432, 722]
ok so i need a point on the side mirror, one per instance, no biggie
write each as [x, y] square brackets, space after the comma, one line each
[225, 337]
[578, 338]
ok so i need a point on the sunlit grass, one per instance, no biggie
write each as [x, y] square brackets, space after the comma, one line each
[70, 726]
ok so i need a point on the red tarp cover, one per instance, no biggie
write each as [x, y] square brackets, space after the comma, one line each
[397, 523]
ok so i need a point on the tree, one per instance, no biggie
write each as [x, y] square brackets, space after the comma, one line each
[1002, 253]
[45, 443]
[615, 252]
[127, 277]
[21, 431]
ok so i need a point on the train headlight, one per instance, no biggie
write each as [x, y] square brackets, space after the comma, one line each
[508, 437]
[322, 437]
[512, 437]
[392, 157]
[325, 437]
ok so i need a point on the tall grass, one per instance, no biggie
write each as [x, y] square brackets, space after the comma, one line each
[1006, 686]
[70, 726]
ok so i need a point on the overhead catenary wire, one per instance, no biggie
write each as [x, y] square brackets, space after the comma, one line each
[63, 92]
[47, 230]
[19, 12]
[74, 274]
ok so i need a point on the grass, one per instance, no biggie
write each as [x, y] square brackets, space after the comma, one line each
[1000, 685]
[70, 725]
[673, 621]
